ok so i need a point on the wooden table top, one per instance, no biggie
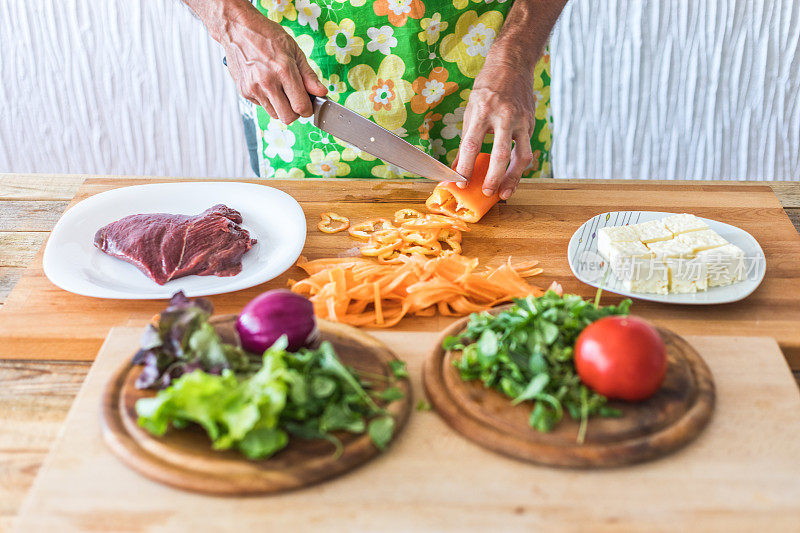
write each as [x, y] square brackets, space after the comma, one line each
[36, 396]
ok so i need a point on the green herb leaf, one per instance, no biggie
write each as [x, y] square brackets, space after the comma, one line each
[339, 416]
[452, 343]
[390, 394]
[381, 430]
[310, 431]
[322, 386]
[535, 388]
[207, 345]
[263, 442]
[398, 368]
[541, 419]
[537, 363]
[331, 363]
[487, 344]
[422, 405]
[610, 412]
[550, 332]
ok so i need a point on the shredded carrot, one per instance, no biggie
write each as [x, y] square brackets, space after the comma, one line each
[364, 292]
[377, 302]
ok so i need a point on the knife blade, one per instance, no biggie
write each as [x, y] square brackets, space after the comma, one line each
[366, 135]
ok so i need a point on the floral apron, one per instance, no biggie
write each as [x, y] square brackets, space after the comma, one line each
[409, 65]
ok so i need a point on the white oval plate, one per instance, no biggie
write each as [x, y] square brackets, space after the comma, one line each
[72, 262]
[589, 266]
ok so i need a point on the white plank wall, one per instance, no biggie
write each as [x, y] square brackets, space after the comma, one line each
[114, 87]
[680, 89]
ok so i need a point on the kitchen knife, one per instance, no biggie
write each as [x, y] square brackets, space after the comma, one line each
[366, 135]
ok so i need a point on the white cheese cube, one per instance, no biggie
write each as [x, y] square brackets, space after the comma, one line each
[609, 234]
[697, 241]
[650, 286]
[638, 269]
[617, 251]
[684, 223]
[644, 275]
[687, 275]
[651, 231]
[725, 264]
[670, 248]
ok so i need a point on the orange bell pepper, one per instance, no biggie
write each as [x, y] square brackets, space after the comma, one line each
[333, 223]
[406, 214]
[363, 230]
[468, 204]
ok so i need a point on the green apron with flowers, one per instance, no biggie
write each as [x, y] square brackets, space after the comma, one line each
[404, 64]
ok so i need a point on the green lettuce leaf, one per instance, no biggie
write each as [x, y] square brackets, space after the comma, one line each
[243, 413]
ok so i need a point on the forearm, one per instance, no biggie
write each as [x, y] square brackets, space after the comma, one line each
[219, 15]
[267, 65]
[526, 30]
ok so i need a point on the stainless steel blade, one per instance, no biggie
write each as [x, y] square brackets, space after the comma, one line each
[380, 142]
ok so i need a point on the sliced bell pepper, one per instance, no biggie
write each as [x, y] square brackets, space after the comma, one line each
[386, 236]
[419, 236]
[333, 223]
[406, 214]
[374, 248]
[363, 230]
[468, 204]
[453, 239]
[434, 248]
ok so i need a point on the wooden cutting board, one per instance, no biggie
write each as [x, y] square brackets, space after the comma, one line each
[40, 321]
[740, 474]
[185, 459]
[670, 419]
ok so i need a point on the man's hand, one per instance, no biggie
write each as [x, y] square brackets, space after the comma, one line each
[502, 102]
[265, 62]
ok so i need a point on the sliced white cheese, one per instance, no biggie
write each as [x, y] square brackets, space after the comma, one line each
[687, 275]
[651, 231]
[617, 251]
[645, 275]
[725, 264]
[670, 248]
[654, 286]
[684, 223]
[609, 234]
[697, 241]
[677, 254]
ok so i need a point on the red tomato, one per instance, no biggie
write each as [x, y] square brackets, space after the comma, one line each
[621, 357]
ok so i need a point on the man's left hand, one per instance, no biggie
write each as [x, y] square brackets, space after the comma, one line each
[502, 103]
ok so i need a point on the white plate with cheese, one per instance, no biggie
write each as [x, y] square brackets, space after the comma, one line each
[667, 257]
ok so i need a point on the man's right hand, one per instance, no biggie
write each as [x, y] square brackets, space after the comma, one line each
[265, 62]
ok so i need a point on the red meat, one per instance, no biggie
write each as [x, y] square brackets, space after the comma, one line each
[166, 246]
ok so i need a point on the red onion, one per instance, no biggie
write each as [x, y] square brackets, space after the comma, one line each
[272, 314]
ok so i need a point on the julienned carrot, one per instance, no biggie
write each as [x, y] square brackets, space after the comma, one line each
[363, 292]
[468, 204]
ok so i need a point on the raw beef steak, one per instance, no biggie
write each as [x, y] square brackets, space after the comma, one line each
[166, 247]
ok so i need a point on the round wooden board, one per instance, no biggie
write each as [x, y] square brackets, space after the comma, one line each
[185, 459]
[671, 418]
